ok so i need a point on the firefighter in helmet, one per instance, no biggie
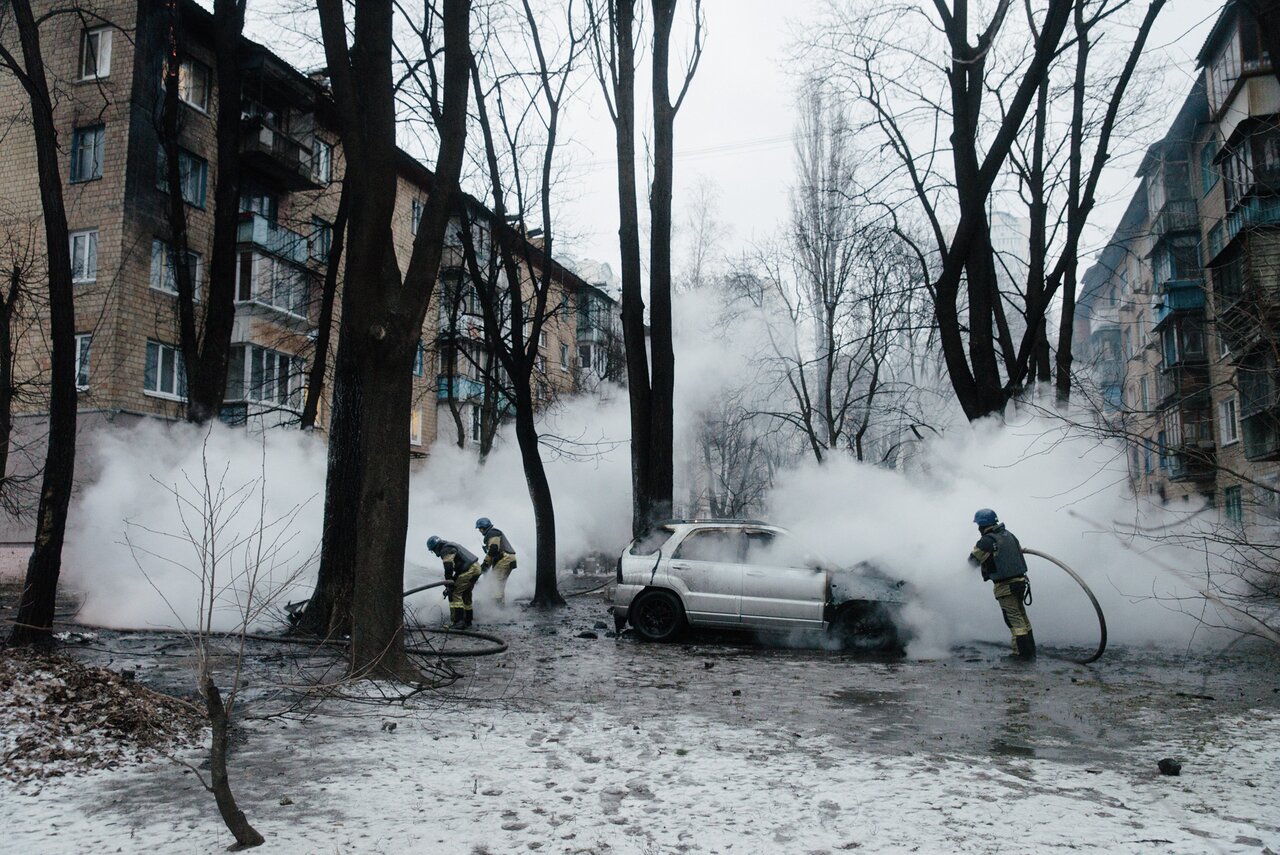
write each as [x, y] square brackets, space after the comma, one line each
[999, 555]
[463, 568]
[498, 554]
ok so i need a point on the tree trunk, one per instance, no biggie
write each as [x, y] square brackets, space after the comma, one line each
[320, 358]
[8, 305]
[546, 591]
[34, 621]
[635, 343]
[367, 496]
[246, 835]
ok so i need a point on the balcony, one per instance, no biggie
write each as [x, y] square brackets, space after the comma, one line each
[460, 389]
[1177, 216]
[273, 238]
[269, 285]
[276, 155]
[1180, 383]
[1252, 213]
[1178, 295]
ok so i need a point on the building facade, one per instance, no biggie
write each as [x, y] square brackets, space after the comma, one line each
[1181, 305]
[106, 71]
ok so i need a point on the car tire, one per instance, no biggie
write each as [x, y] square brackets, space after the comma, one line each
[658, 616]
[866, 627]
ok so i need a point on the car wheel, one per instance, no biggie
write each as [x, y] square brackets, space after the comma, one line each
[866, 626]
[658, 616]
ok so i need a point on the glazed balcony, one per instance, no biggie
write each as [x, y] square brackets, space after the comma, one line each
[276, 155]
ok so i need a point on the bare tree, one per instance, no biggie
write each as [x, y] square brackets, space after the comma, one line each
[205, 323]
[361, 575]
[650, 352]
[994, 72]
[34, 621]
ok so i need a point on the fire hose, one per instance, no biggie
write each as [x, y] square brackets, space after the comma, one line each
[1102, 621]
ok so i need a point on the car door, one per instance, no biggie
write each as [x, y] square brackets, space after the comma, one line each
[706, 561]
[779, 588]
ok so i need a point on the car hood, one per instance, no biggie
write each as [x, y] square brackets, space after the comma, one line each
[865, 581]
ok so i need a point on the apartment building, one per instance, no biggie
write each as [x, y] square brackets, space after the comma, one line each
[1182, 303]
[106, 70]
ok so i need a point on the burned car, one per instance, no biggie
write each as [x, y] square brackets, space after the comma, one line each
[748, 574]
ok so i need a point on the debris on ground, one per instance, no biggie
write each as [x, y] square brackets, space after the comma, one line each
[59, 717]
[1169, 766]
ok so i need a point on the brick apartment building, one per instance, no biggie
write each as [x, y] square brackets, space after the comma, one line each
[1182, 305]
[105, 71]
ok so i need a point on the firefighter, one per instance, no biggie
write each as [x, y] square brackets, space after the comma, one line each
[999, 555]
[498, 554]
[463, 568]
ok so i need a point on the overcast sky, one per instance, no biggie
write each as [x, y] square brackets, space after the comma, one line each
[735, 128]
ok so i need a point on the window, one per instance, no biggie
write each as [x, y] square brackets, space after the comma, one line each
[320, 240]
[84, 256]
[164, 275]
[193, 176]
[95, 53]
[1208, 172]
[415, 426]
[477, 423]
[1233, 504]
[255, 199]
[165, 375]
[584, 356]
[1148, 456]
[711, 544]
[87, 146]
[268, 281]
[1145, 394]
[83, 343]
[1162, 444]
[564, 357]
[415, 215]
[419, 360]
[265, 376]
[322, 162]
[194, 84]
[1228, 421]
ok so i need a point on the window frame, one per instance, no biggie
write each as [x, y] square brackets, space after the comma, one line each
[191, 159]
[1231, 418]
[1233, 504]
[184, 75]
[168, 271]
[98, 133]
[416, 207]
[90, 242]
[322, 167]
[178, 369]
[101, 57]
[84, 360]
[415, 426]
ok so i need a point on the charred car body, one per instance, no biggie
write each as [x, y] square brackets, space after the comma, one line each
[748, 574]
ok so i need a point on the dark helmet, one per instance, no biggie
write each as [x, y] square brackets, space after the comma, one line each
[985, 517]
[484, 523]
[433, 542]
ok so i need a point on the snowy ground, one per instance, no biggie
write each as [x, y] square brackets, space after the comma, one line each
[580, 745]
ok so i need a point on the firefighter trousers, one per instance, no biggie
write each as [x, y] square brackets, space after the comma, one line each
[463, 584]
[501, 570]
[1009, 594]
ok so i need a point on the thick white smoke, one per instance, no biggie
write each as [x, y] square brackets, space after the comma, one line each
[1048, 485]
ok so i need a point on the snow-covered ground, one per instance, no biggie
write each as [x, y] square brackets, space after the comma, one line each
[591, 745]
[487, 781]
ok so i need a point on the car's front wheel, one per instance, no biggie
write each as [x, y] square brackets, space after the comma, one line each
[866, 626]
[658, 616]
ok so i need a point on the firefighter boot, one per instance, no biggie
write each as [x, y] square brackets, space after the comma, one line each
[1027, 646]
[459, 618]
[466, 619]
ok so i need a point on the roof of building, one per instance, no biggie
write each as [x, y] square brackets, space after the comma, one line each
[1220, 27]
[1183, 131]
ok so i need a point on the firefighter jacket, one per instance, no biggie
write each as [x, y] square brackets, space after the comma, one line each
[497, 547]
[1000, 555]
[456, 558]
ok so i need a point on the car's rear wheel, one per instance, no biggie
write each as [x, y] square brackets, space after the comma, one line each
[658, 616]
[866, 626]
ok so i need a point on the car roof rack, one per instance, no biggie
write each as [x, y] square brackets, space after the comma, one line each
[710, 521]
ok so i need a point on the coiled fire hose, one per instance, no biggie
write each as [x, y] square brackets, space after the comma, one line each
[1102, 620]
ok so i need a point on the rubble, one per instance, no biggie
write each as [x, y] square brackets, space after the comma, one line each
[58, 717]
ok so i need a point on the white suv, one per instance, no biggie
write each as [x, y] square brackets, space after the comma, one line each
[747, 574]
